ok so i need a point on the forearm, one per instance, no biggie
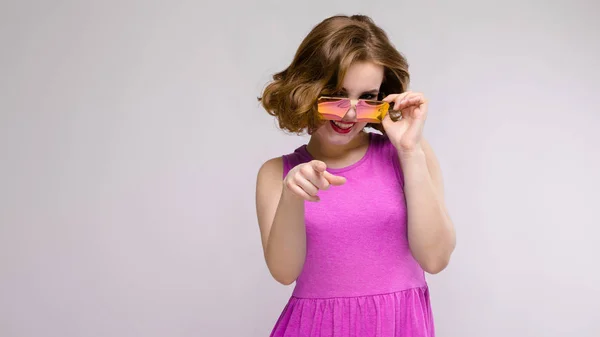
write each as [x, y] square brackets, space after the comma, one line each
[430, 231]
[286, 246]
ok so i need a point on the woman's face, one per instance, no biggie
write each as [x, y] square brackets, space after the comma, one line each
[362, 81]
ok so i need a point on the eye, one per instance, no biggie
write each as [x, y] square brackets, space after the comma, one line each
[369, 96]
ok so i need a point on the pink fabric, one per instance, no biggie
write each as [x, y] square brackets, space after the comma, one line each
[359, 277]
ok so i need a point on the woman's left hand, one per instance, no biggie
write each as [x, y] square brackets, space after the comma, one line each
[406, 133]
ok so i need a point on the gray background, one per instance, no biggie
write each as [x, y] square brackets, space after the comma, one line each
[130, 138]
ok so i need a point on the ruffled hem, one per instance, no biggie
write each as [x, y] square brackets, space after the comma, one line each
[400, 314]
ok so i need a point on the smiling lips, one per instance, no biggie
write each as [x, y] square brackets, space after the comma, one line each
[340, 127]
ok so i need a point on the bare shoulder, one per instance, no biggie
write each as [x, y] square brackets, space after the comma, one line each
[271, 171]
[269, 181]
[269, 184]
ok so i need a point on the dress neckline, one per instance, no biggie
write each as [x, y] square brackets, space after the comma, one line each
[304, 151]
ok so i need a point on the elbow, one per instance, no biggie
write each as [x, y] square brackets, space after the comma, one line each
[434, 267]
[434, 264]
[284, 278]
[286, 281]
[433, 261]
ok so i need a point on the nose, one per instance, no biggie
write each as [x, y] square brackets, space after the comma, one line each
[350, 115]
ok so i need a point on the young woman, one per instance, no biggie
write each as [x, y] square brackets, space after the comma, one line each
[355, 217]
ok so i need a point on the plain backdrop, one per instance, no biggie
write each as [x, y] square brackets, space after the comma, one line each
[130, 139]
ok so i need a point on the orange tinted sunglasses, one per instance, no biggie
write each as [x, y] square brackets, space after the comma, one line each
[370, 111]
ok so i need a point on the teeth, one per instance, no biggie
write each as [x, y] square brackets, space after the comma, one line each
[343, 125]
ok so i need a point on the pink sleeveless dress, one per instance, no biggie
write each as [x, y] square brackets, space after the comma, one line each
[359, 277]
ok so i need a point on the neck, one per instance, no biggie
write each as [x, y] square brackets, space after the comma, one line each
[323, 150]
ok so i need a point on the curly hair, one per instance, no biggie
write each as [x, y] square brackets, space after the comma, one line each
[320, 64]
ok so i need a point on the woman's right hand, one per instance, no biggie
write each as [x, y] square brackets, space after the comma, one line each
[305, 180]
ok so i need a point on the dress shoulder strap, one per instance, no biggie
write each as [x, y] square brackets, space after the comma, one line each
[385, 152]
[291, 160]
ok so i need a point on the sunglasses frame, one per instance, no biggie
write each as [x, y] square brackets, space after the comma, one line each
[394, 115]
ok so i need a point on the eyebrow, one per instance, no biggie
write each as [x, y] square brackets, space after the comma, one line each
[372, 91]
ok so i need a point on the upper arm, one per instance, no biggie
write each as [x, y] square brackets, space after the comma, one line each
[433, 166]
[269, 183]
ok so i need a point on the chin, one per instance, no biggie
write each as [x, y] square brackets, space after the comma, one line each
[340, 133]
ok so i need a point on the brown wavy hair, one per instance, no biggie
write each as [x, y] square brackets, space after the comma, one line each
[319, 66]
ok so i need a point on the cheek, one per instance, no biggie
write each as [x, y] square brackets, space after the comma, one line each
[321, 130]
[361, 125]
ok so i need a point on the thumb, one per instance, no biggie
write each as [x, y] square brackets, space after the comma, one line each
[334, 180]
[318, 166]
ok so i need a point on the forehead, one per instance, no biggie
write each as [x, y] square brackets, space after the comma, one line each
[363, 76]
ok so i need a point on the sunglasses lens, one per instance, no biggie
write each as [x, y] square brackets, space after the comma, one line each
[333, 108]
[371, 111]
